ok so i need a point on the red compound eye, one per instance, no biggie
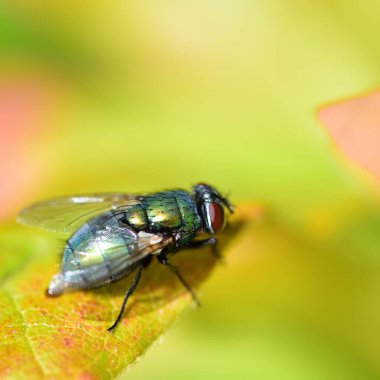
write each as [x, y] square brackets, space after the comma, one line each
[216, 213]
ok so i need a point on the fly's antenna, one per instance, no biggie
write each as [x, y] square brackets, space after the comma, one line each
[224, 200]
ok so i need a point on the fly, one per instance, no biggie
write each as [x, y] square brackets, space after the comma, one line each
[113, 235]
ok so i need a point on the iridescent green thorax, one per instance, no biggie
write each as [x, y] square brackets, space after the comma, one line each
[172, 211]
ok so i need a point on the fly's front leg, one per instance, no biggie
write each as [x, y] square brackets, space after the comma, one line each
[210, 241]
[162, 259]
[201, 243]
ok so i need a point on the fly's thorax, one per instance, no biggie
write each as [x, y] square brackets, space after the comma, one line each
[162, 211]
[172, 212]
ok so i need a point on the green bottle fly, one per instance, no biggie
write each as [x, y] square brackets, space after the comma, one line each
[116, 234]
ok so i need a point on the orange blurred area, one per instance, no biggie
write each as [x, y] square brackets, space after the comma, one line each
[23, 106]
[354, 125]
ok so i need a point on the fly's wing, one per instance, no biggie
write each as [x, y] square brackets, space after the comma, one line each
[66, 214]
[103, 256]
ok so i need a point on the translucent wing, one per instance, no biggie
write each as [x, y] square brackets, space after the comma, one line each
[102, 251]
[66, 214]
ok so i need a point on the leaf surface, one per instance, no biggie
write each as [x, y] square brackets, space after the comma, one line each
[66, 337]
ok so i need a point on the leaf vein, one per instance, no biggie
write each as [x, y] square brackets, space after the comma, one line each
[26, 329]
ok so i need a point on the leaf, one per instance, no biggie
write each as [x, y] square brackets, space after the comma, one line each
[66, 337]
[355, 127]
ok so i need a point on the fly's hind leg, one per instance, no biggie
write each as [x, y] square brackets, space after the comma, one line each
[164, 261]
[130, 290]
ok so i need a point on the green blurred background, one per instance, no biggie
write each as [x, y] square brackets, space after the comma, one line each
[140, 96]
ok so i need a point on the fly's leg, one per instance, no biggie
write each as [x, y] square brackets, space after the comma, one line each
[216, 252]
[201, 243]
[211, 241]
[164, 261]
[129, 293]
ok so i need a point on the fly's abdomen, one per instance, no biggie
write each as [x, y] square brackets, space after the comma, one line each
[92, 244]
[190, 218]
[94, 254]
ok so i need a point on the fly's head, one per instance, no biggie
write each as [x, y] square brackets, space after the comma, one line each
[213, 208]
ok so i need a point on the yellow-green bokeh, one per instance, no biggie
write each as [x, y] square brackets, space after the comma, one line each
[140, 96]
